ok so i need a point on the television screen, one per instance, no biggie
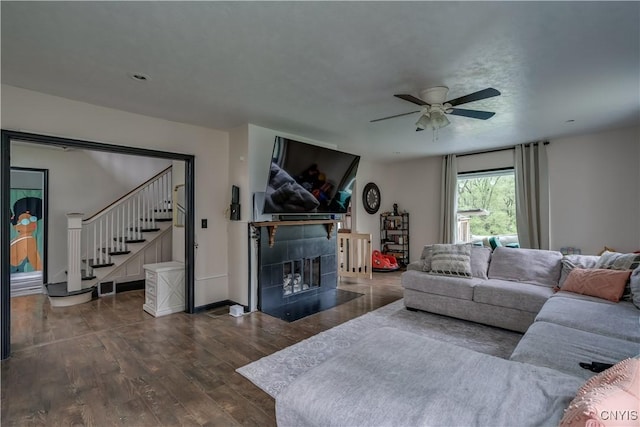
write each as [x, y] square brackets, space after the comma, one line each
[306, 178]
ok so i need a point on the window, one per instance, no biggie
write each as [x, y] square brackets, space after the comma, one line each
[487, 207]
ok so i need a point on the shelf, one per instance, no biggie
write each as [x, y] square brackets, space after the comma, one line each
[272, 226]
[394, 228]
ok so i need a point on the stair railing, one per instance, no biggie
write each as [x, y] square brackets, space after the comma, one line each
[108, 231]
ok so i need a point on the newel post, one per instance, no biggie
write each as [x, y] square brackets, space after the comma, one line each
[74, 254]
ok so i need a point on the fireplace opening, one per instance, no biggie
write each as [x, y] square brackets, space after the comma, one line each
[300, 275]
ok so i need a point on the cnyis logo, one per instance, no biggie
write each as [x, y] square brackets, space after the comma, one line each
[619, 415]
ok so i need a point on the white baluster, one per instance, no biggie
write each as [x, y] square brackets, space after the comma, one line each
[110, 235]
[154, 202]
[144, 208]
[100, 243]
[139, 235]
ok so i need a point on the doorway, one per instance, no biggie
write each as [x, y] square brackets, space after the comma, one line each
[7, 137]
[28, 198]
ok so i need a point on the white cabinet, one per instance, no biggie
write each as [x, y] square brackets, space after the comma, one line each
[164, 288]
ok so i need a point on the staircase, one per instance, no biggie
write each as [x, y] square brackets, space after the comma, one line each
[101, 246]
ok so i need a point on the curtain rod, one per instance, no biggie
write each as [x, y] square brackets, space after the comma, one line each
[491, 151]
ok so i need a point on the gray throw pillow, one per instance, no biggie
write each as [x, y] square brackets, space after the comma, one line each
[427, 253]
[620, 261]
[480, 257]
[634, 285]
[569, 262]
[451, 260]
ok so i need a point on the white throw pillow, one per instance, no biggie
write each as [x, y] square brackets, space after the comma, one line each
[451, 260]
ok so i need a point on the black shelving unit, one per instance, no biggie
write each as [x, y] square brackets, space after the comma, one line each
[394, 236]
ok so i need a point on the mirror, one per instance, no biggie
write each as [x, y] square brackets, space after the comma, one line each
[178, 206]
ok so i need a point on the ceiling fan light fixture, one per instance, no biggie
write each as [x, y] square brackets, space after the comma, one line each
[423, 122]
[439, 120]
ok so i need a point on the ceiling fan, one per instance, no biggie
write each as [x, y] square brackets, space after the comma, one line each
[434, 107]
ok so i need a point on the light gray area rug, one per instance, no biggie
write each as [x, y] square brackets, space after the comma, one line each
[275, 372]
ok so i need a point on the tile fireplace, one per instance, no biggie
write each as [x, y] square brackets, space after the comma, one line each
[296, 266]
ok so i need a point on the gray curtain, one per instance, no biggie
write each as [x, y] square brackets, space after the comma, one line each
[449, 199]
[532, 195]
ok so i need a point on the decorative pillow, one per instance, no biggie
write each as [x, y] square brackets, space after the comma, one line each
[427, 253]
[451, 260]
[597, 282]
[634, 285]
[609, 398]
[606, 249]
[620, 261]
[569, 262]
[480, 257]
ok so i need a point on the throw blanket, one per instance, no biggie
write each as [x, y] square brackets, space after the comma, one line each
[284, 194]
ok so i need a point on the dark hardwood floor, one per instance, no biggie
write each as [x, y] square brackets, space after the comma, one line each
[107, 362]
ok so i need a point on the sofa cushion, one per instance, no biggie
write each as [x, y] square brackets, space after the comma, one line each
[480, 257]
[396, 378]
[563, 348]
[454, 287]
[451, 260]
[569, 262]
[597, 282]
[415, 266]
[535, 266]
[613, 391]
[520, 296]
[619, 320]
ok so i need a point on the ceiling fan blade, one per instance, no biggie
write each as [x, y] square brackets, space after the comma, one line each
[393, 117]
[474, 114]
[476, 96]
[411, 99]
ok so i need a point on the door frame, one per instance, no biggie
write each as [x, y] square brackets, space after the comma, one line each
[6, 136]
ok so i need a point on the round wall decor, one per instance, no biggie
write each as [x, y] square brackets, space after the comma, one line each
[371, 198]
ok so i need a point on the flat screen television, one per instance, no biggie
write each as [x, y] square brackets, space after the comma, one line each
[309, 179]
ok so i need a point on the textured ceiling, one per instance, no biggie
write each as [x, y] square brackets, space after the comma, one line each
[323, 70]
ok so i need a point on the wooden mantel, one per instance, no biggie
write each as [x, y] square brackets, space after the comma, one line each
[272, 226]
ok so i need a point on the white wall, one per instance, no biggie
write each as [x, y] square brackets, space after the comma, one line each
[178, 236]
[239, 172]
[415, 186]
[40, 113]
[77, 183]
[594, 191]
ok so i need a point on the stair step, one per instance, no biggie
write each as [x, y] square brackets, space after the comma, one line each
[163, 210]
[145, 230]
[105, 250]
[119, 239]
[60, 290]
[94, 264]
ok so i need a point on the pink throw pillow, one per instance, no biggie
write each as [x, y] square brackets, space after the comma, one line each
[597, 282]
[611, 398]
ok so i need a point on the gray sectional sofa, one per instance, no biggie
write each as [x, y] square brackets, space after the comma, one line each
[508, 287]
[396, 378]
